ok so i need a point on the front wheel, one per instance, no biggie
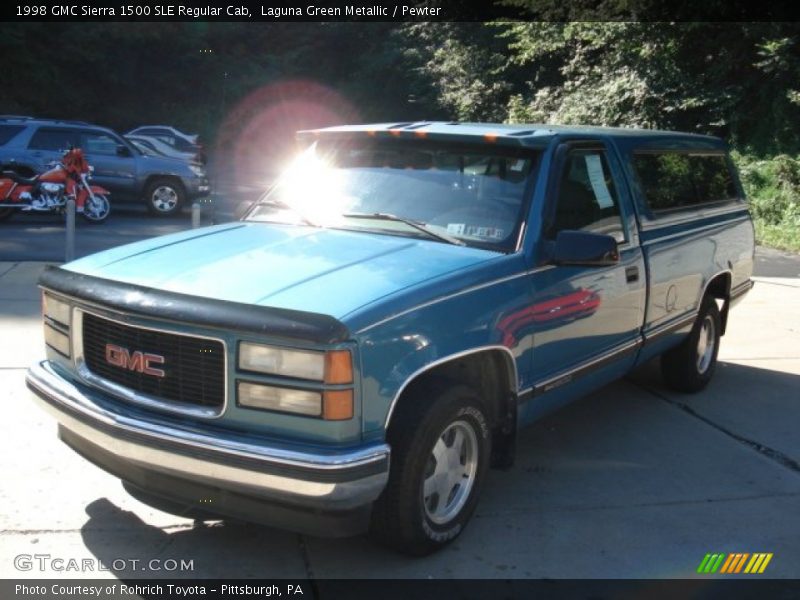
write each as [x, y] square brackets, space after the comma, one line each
[690, 366]
[164, 197]
[440, 455]
[97, 210]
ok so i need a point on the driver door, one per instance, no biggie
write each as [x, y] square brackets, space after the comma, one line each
[586, 319]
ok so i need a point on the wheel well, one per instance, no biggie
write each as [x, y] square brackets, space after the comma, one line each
[492, 374]
[720, 288]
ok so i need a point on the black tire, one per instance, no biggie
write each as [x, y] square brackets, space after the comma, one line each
[6, 213]
[164, 196]
[403, 518]
[690, 366]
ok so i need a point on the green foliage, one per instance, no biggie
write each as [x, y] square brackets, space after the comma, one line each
[736, 80]
[773, 188]
[191, 74]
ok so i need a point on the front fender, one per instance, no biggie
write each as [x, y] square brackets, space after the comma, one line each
[395, 351]
[97, 189]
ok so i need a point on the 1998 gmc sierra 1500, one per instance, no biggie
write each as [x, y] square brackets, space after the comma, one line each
[364, 344]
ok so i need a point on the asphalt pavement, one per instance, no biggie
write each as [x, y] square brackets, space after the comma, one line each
[42, 236]
[632, 481]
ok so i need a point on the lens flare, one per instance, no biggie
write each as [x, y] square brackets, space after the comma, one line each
[314, 188]
[257, 137]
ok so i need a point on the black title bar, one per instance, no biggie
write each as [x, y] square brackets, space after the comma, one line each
[394, 589]
[398, 11]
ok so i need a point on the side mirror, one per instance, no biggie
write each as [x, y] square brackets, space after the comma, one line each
[123, 151]
[585, 248]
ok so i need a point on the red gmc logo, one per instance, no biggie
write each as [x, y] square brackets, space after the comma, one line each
[141, 362]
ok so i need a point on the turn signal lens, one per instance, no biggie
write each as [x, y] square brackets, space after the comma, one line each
[337, 405]
[338, 367]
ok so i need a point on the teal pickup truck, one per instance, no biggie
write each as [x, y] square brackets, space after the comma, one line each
[363, 345]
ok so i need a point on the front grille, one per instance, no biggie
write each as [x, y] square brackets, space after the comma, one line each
[194, 368]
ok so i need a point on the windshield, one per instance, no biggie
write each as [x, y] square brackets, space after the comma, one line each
[473, 195]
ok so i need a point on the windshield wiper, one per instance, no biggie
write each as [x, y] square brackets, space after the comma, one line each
[281, 204]
[419, 226]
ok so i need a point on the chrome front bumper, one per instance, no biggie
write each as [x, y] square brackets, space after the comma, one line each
[317, 481]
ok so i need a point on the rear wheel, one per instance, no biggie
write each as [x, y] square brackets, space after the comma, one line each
[164, 197]
[5, 213]
[440, 455]
[690, 366]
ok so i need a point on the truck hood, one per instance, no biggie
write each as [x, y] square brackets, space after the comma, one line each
[326, 271]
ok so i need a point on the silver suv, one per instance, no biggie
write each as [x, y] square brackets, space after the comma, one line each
[28, 145]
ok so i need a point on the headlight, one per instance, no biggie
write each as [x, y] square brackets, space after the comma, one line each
[56, 324]
[331, 405]
[56, 339]
[302, 364]
[198, 170]
[253, 395]
[334, 367]
[56, 309]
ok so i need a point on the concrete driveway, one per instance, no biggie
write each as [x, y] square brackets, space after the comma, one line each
[632, 481]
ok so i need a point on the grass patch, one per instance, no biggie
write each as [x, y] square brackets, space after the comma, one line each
[777, 236]
[773, 187]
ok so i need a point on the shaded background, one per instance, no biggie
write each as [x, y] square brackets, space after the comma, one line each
[737, 80]
[247, 87]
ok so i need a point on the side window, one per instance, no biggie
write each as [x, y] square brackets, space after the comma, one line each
[673, 180]
[54, 140]
[99, 143]
[181, 144]
[9, 132]
[587, 198]
[171, 141]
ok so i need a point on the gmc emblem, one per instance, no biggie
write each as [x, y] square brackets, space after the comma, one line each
[138, 361]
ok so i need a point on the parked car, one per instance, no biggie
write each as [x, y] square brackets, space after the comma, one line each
[29, 145]
[175, 138]
[365, 343]
[146, 150]
[161, 148]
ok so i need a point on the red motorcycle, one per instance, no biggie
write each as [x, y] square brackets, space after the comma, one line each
[50, 191]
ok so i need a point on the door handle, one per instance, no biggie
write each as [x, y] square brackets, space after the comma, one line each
[631, 274]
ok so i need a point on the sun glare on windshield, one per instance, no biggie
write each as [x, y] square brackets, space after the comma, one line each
[314, 188]
[462, 194]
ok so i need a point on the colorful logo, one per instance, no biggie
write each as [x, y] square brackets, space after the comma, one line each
[735, 563]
